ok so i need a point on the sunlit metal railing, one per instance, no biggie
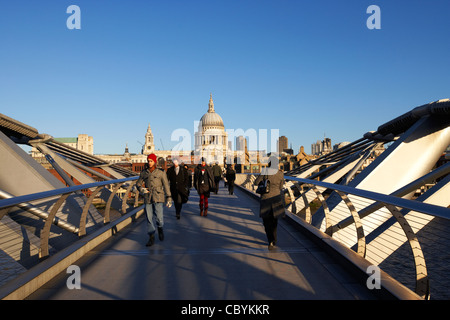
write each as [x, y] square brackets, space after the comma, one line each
[395, 205]
[24, 202]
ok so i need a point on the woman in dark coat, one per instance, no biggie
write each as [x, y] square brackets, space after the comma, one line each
[204, 184]
[179, 185]
[271, 203]
[230, 176]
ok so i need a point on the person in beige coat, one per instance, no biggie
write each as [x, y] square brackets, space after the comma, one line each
[271, 203]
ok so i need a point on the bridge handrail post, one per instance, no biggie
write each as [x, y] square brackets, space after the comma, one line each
[45, 231]
[106, 218]
[82, 224]
[308, 215]
[126, 196]
[422, 281]
[292, 198]
[361, 250]
[328, 225]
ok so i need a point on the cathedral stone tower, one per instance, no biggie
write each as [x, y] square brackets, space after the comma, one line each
[149, 146]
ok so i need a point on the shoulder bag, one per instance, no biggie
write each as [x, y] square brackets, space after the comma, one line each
[263, 186]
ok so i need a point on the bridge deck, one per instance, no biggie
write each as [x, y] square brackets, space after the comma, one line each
[222, 256]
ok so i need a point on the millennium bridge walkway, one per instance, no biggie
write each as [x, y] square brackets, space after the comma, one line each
[222, 256]
[372, 214]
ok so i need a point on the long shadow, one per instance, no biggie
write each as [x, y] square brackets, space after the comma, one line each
[211, 272]
[222, 256]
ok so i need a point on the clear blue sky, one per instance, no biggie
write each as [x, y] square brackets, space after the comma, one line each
[307, 68]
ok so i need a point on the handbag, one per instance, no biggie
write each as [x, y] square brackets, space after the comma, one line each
[263, 186]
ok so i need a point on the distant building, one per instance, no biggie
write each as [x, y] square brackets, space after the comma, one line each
[241, 143]
[282, 144]
[211, 140]
[321, 147]
[83, 143]
[149, 145]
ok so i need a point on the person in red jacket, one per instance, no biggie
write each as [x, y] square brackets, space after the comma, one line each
[204, 184]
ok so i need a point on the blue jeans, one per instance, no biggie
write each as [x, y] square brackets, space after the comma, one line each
[154, 210]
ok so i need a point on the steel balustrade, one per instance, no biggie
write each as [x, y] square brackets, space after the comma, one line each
[391, 202]
[24, 203]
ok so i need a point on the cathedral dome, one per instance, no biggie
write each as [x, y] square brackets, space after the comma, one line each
[211, 139]
[211, 118]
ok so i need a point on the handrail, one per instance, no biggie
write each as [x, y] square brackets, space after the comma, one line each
[433, 175]
[429, 209]
[4, 203]
[391, 202]
[50, 218]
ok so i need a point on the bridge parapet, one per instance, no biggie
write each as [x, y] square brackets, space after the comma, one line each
[42, 213]
[369, 209]
[96, 235]
[381, 209]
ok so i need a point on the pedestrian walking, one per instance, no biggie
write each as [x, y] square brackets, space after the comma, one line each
[154, 186]
[204, 184]
[179, 189]
[217, 173]
[271, 201]
[230, 175]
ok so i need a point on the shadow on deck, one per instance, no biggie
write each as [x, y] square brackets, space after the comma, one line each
[220, 257]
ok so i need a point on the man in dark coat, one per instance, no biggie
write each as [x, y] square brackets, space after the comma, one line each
[179, 180]
[217, 173]
[271, 203]
[204, 184]
[185, 166]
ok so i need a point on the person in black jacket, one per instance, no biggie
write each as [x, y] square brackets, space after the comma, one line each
[204, 184]
[271, 203]
[179, 185]
[217, 173]
[230, 176]
[190, 173]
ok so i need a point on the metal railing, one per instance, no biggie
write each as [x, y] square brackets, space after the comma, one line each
[24, 202]
[397, 207]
